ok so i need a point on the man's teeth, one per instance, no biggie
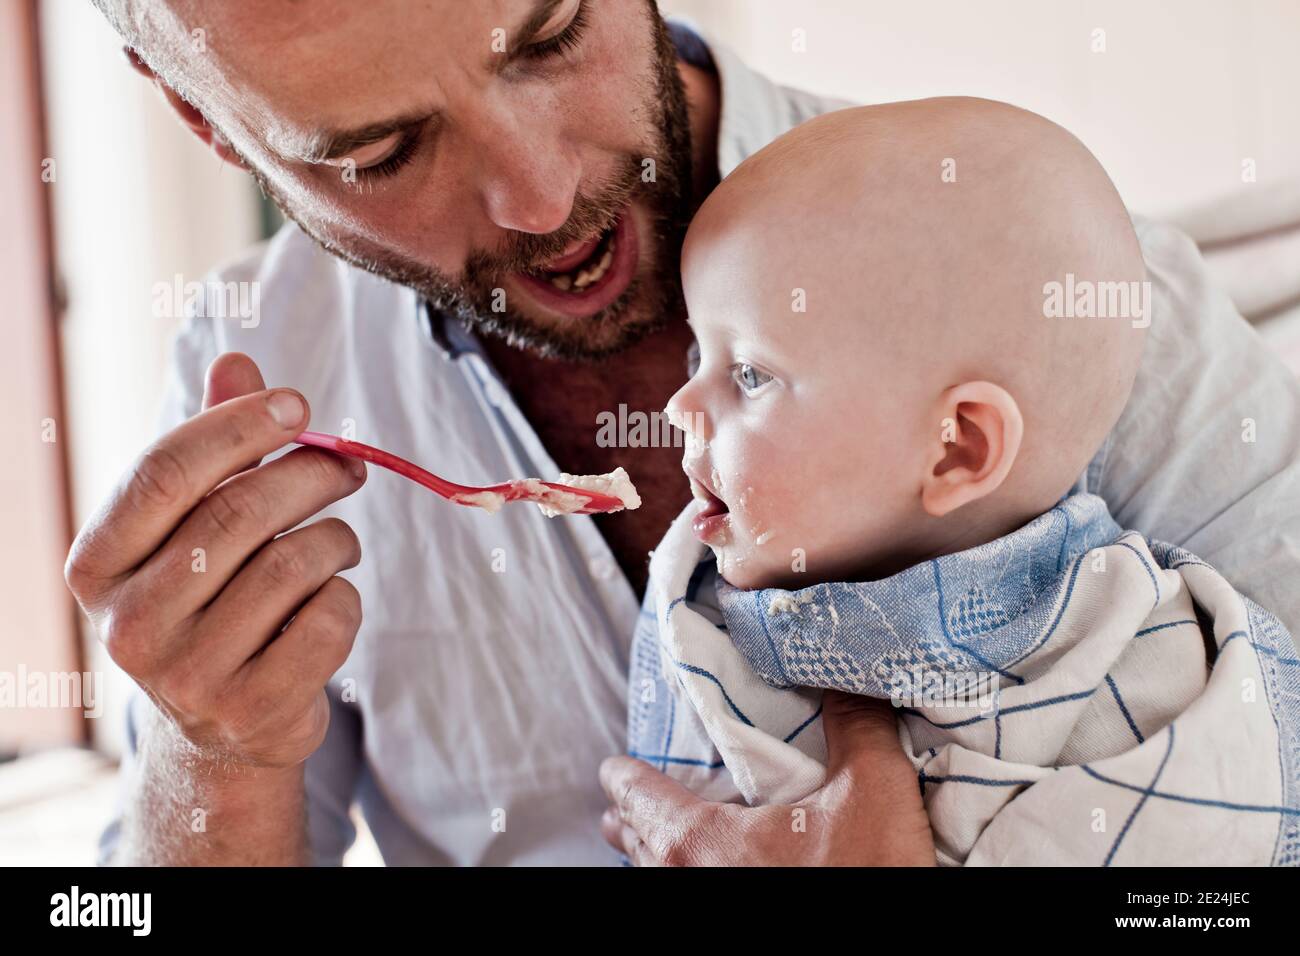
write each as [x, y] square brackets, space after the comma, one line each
[586, 274]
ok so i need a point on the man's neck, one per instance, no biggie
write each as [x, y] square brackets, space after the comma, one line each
[704, 109]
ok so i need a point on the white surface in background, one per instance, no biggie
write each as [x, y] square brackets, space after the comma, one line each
[1185, 90]
[54, 805]
[137, 200]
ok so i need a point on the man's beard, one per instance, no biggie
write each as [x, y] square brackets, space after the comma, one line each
[651, 298]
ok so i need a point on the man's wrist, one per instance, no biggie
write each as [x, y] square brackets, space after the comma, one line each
[196, 806]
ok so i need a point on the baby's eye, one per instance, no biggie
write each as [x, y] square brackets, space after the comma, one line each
[749, 378]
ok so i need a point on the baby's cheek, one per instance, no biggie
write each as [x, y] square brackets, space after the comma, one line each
[765, 508]
[764, 488]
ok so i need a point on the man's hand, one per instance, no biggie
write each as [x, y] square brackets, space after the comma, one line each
[231, 630]
[868, 813]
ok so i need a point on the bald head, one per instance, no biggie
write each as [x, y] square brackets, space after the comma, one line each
[927, 236]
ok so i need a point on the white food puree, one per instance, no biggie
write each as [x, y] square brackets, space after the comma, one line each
[616, 484]
[554, 502]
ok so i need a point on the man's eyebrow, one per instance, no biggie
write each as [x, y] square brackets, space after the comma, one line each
[327, 144]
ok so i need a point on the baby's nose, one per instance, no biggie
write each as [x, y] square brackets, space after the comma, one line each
[692, 423]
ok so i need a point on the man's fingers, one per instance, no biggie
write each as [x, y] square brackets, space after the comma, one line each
[172, 476]
[235, 520]
[312, 648]
[274, 583]
[860, 731]
[871, 783]
[641, 794]
[670, 820]
[231, 375]
[624, 839]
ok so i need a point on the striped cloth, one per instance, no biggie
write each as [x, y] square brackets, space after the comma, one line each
[1070, 694]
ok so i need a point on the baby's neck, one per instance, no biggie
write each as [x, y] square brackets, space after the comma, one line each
[968, 527]
[979, 528]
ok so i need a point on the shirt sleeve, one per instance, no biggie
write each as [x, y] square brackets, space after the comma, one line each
[1207, 453]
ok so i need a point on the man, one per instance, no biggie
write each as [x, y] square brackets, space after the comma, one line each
[524, 168]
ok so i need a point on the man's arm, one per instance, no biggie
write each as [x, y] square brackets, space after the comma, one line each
[184, 808]
[869, 812]
[189, 581]
[177, 834]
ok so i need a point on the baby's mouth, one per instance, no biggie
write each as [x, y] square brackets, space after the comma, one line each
[711, 521]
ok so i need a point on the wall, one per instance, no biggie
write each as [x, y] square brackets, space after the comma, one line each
[1183, 92]
[138, 200]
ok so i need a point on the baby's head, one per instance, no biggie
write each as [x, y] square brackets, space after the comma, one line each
[882, 376]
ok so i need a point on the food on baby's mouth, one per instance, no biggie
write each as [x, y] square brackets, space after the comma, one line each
[554, 501]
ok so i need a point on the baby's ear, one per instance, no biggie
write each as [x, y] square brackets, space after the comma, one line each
[979, 438]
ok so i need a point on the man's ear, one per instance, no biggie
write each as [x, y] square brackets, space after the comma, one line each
[190, 116]
[980, 433]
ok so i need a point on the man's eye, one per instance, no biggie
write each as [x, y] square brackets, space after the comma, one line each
[390, 163]
[749, 378]
[565, 41]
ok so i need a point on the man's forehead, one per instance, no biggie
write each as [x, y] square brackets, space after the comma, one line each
[262, 22]
[302, 69]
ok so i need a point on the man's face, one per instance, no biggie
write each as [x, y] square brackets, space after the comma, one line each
[523, 163]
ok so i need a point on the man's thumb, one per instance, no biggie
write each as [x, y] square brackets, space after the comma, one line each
[231, 375]
[858, 729]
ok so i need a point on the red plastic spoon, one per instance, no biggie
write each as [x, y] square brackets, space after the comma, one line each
[490, 498]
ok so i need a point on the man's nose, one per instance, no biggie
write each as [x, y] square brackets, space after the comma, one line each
[530, 186]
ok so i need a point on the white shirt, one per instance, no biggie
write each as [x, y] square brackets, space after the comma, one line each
[487, 698]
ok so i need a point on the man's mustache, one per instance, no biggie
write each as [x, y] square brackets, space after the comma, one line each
[529, 252]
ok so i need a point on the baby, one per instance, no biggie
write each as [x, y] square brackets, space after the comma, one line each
[917, 324]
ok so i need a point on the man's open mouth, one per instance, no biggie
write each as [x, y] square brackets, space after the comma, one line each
[590, 275]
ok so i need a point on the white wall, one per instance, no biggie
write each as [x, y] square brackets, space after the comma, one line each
[1185, 90]
[137, 200]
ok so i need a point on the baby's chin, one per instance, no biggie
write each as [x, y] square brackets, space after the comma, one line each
[747, 563]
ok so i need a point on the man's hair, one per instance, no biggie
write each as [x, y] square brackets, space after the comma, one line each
[143, 27]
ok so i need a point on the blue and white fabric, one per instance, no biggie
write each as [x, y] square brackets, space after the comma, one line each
[1070, 693]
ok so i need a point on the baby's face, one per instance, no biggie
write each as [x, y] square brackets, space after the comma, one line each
[805, 432]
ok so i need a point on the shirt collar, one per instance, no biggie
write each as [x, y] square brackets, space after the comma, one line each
[754, 110]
